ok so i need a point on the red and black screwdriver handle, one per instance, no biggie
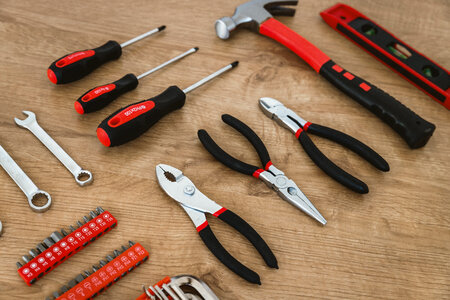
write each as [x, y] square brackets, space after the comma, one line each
[131, 121]
[225, 257]
[230, 161]
[74, 66]
[100, 96]
[411, 127]
[331, 169]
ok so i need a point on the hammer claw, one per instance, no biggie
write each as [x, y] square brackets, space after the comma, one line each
[281, 11]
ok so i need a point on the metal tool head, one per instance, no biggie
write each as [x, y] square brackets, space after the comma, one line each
[31, 118]
[289, 191]
[84, 177]
[276, 110]
[252, 14]
[197, 284]
[181, 189]
[40, 208]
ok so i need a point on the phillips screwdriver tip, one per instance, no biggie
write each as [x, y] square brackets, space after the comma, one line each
[196, 49]
[161, 28]
[234, 64]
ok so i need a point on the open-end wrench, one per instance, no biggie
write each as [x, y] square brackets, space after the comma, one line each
[31, 124]
[24, 182]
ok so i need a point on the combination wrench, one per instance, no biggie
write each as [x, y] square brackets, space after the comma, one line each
[24, 182]
[31, 124]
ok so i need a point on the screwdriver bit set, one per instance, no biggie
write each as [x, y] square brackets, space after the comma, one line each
[90, 284]
[61, 245]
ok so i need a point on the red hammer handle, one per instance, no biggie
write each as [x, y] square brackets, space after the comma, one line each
[294, 41]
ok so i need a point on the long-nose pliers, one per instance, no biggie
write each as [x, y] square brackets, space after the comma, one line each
[270, 175]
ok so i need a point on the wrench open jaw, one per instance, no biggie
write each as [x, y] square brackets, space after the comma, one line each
[82, 177]
[31, 118]
[252, 14]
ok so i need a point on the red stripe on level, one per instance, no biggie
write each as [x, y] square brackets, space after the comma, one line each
[257, 173]
[305, 127]
[219, 212]
[268, 165]
[297, 134]
[349, 76]
[365, 86]
[337, 68]
[202, 226]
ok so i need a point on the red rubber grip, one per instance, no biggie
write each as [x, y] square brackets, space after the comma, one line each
[312, 55]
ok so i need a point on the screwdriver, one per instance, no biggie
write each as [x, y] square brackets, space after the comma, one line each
[76, 65]
[100, 96]
[131, 121]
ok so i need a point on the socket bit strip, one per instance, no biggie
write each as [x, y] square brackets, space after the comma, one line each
[24, 182]
[61, 245]
[90, 284]
[82, 177]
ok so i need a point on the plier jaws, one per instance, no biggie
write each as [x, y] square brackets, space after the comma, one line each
[182, 189]
[284, 116]
[290, 192]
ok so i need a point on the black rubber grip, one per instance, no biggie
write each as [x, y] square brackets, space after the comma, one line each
[137, 118]
[351, 143]
[224, 157]
[251, 136]
[90, 102]
[246, 230]
[411, 127]
[80, 68]
[329, 167]
[226, 258]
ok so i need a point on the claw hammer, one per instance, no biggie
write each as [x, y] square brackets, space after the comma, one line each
[256, 15]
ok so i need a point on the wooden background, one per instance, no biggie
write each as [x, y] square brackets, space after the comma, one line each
[391, 243]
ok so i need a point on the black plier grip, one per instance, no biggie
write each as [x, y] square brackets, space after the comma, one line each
[226, 258]
[227, 159]
[351, 143]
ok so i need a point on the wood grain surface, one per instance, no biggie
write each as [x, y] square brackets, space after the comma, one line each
[391, 243]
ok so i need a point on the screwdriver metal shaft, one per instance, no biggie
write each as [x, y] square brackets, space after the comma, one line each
[190, 51]
[208, 78]
[142, 36]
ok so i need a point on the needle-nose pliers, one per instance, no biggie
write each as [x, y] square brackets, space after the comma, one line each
[275, 110]
[270, 175]
[196, 205]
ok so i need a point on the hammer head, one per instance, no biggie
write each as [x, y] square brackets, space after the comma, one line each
[252, 14]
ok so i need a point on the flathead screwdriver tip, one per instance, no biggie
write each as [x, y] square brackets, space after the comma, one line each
[234, 64]
[196, 49]
[161, 28]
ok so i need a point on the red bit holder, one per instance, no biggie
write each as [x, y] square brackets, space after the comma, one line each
[90, 285]
[66, 247]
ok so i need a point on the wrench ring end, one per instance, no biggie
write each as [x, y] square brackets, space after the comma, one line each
[86, 181]
[43, 208]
